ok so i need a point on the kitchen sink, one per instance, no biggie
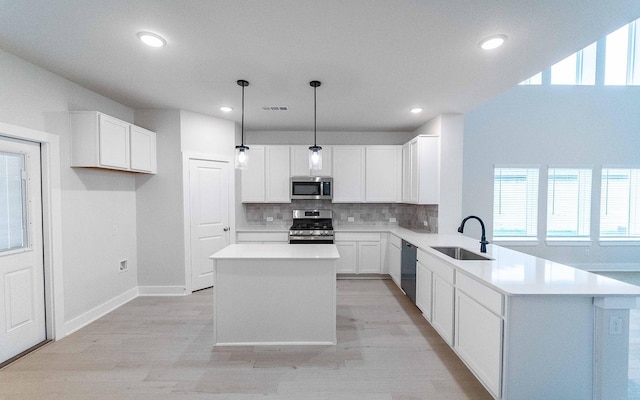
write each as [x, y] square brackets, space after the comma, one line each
[460, 254]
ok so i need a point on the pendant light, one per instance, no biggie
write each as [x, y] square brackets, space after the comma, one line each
[242, 156]
[315, 151]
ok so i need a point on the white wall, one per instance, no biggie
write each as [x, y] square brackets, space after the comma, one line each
[205, 134]
[93, 201]
[552, 125]
[160, 203]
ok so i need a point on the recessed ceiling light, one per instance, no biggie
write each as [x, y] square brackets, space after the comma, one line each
[493, 42]
[152, 39]
[416, 110]
[226, 109]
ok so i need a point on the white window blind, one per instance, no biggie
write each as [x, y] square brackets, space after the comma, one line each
[620, 203]
[12, 205]
[569, 203]
[515, 202]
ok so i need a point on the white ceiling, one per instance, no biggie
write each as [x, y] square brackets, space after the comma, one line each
[375, 58]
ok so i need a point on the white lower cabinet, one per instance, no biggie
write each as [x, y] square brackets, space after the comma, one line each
[478, 341]
[443, 310]
[369, 257]
[424, 279]
[348, 261]
[467, 314]
[394, 258]
[360, 253]
[442, 294]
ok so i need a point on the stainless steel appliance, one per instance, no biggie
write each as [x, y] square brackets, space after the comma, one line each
[311, 188]
[409, 256]
[311, 226]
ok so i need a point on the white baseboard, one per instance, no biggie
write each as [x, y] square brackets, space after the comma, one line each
[161, 291]
[99, 311]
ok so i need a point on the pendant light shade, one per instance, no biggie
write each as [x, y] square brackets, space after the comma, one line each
[315, 151]
[242, 155]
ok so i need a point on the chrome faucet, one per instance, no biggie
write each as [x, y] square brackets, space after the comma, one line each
[483, 239]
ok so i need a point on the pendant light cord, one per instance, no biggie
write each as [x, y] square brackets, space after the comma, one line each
[242, 83]
[314, 85]
[242, 123]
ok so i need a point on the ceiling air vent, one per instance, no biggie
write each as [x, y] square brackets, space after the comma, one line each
[275, 108]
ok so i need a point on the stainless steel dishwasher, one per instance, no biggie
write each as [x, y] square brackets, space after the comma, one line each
[408, 270]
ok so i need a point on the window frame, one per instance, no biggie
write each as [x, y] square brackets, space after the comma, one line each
[525, 240]
[573, 239]
[615, 240]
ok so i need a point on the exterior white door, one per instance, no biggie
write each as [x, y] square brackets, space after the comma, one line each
[209, 210]
[22, 304]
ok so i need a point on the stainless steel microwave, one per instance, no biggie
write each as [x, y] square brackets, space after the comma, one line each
[311, 188]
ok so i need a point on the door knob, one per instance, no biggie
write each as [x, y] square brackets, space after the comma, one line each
[226, 229]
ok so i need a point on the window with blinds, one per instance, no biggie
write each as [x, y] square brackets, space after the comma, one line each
[569, 203]
[515, 203]
[620, 203]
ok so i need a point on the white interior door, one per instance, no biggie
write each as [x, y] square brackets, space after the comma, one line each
[22, 308]
[209, 210]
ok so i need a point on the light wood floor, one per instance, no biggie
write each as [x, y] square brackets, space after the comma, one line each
[161, 348]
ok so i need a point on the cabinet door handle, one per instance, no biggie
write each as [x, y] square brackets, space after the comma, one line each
[226, 229]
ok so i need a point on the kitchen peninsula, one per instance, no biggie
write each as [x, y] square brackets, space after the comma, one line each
[527, 327]
[275, 294]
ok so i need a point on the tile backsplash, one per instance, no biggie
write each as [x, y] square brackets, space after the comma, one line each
[407, 215]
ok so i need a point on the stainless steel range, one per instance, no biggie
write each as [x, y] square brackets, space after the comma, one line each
[311, 226]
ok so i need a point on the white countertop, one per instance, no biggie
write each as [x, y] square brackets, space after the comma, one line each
[509, 272]
[514, 273]
[278, 251]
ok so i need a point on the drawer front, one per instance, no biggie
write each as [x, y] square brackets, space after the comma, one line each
[484, 295]
[357, 236]
[263, 237]
[441, 269]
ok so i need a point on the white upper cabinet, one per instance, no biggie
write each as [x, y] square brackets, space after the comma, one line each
[348, 174]
[143, 150]
[300, 161]
[101, 141]
[421, 170]
[252, 179]
[114, 142]
[266, 179]
[277, 174]
[383, 174]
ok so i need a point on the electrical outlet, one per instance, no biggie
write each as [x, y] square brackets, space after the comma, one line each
[426, 223]
[269, 219]
[124, 267]
[392, 219]
[114, 230]
[350, 219]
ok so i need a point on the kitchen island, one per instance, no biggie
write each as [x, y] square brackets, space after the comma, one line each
[275, 294]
